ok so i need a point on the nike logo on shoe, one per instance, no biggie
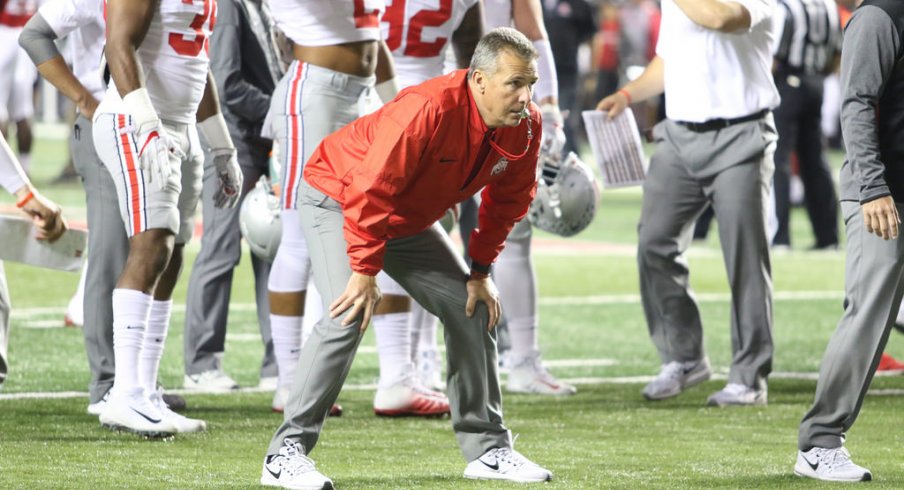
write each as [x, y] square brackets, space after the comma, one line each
[814, 466]
[149, 419]
[494, 466]
[275, 474]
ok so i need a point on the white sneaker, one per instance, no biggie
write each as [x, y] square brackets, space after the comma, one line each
[504, 463]
[737, 394]
[429, 371]
[832, 464]
[675, 377]
[182, 423]
[527, 375]
[213, 381]
[268, 383]
[97, 407]
[292, 469]
[410, 398]
[133, 412]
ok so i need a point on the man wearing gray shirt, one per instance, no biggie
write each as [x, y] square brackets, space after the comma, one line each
[246, 70]
[872, 196]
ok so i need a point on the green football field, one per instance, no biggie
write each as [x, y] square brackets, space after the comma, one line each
[592, 333]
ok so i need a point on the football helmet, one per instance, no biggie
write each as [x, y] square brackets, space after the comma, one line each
[259, 221]
[567, 196]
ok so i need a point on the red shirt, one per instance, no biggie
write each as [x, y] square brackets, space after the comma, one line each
[396, 171]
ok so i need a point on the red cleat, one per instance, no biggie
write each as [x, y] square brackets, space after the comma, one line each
[889, 365]
[409, 399]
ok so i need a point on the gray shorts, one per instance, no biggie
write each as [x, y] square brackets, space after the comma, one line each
[142, 205]
[309, 103]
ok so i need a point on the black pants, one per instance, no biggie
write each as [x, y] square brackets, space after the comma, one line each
[798, 121]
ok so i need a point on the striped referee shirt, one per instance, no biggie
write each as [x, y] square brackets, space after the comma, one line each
[809, 36]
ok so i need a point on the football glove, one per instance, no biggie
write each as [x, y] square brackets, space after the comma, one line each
[222, 151]
[553, 130]
[153, 145]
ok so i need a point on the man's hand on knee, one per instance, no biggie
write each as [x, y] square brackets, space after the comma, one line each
[361, 295]
[482, 288]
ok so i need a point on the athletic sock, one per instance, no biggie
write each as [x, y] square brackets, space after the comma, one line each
[313, 312]
[393, 348]
[286, 334]
[154, 341]
[130, 318]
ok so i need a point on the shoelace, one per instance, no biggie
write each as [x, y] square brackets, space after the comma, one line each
[508, 456]
[833, 458]
[672, 370]
[293, 461]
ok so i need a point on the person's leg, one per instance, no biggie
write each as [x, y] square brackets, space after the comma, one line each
[819, 188]
[517, 282]
[874, 285]
[108, 249]
[739, 200]
[5, 308]
[210, 283]
[22, 109]
[787, 123]
[327, 355]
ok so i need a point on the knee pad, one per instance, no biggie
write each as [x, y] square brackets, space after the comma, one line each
[292, 266]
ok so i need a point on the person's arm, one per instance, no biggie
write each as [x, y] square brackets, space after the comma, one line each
[718, 15]
[650, 83]
[37, 39]
[243, 99]
[468, 34]
[45, 213]
[527, 17]
[868, 59]
[386, 87]
[212, 127]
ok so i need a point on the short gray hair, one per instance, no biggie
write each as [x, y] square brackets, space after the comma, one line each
[495, 42]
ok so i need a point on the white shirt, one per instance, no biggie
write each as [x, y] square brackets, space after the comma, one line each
[328, 22]
[83, 22]
[417, 43]
[710, 74]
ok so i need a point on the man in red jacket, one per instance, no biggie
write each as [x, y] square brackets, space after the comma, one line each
[372, 193]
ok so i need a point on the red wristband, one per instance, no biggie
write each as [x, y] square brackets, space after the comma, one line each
[25, 199]
[626, 94]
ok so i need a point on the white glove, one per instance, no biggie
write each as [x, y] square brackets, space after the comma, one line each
[153, 145]
[222, 151]
[553, 130]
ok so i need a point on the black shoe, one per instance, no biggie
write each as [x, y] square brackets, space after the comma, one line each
[175, 403]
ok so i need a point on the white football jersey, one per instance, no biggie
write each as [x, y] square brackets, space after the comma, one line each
[174, 58]
[418, 33]
[17, 12]
[328, 22]
[82, 23]
[497, 13]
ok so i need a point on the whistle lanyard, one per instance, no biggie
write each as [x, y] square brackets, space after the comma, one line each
[511, 156]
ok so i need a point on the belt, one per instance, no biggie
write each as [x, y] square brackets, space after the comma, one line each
[716, 124]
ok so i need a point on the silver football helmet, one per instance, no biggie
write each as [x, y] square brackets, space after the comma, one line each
[567, 196]
[259, 221]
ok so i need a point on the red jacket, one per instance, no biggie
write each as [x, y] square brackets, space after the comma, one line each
[396, 172]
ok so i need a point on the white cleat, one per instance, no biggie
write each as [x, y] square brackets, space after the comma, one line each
[527, 375]
[292, 469]
[213, 381]
[97, 407]
[280, 397]
[675, 377]
[829, 464]
[735, 394]
[410, 399]
[429, 372]
[182, 423]
[133, 412]
[505, 463]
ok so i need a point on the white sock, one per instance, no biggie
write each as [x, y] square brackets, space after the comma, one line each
[154, 341]
[25, 161]
[517, 283]
[76, 308]
[422, 325]
[523, 336]
[393, 348]
[286, 334]
[130, 318]
[313, 312]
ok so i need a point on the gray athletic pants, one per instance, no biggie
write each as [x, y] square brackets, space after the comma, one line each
[108, 249]
[873, 287]
[210, 285]
[732, 168]
[434, 274]
[5, 308]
